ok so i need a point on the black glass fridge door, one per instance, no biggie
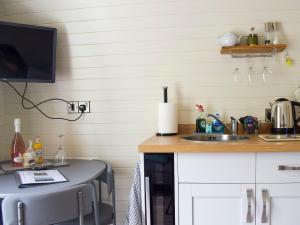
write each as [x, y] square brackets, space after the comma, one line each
[159, 169]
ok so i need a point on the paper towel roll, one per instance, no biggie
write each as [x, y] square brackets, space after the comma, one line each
[167, 119]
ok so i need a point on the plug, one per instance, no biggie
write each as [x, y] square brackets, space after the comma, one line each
[85, 106]
[82, 108]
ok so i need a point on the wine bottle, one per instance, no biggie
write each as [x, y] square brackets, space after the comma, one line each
[17, 145]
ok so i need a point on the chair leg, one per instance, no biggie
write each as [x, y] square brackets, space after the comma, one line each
[80, 208]
[113, 197]
[95, 202]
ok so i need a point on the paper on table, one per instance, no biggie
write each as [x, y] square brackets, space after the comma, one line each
[41, 177]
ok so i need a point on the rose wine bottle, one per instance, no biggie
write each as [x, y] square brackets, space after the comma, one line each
[17, 146]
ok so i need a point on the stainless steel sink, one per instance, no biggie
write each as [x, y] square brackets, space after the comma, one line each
[215, 137]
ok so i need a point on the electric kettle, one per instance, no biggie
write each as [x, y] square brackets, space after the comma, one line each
[283, 116]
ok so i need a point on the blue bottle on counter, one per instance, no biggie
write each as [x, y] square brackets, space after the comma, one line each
[217, 127]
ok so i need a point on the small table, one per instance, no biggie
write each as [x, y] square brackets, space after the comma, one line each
[79, 172]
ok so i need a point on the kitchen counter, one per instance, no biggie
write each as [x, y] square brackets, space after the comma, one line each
[197, 174]
[158, 144]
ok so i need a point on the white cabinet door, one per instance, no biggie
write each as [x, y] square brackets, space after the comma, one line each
[216, 204]
[278, 204]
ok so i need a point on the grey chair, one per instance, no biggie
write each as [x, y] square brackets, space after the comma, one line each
[108, 213]
[104, 213]
[49, 208]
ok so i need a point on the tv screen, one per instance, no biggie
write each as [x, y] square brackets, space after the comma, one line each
[27, 53]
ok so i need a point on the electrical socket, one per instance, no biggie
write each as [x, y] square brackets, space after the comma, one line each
[76, 104]
[74, 109]
[87, 106]
[268, 115]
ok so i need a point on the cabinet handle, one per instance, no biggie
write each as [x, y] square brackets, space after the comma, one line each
[264, 217]
[147, 192]
[281, 167]
[249, 198]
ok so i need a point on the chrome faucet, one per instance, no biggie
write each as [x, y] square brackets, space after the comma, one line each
[234, 124]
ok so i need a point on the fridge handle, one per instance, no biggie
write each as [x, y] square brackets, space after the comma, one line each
[147, 193]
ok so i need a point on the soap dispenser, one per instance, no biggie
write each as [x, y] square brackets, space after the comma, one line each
[217, 126]
[200, 119]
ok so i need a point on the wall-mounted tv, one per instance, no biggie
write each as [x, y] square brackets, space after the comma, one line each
[27, 53]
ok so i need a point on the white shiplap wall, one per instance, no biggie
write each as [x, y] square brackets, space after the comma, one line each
[118, 54]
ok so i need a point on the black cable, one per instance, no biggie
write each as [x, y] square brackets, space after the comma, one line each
[36, 105]
[48, 100]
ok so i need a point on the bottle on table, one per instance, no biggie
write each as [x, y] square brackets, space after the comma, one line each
[17, 146]
[29, 156]
[38, 148]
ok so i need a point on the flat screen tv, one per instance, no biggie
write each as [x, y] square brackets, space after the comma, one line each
[27, 53]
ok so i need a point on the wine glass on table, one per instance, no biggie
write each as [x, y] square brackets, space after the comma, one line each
[60, 156]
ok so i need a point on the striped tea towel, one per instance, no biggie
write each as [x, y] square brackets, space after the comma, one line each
[134, 213]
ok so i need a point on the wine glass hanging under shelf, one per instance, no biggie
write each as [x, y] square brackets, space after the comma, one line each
[245, 51]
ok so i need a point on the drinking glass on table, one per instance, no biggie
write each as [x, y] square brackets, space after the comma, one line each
[60, 156]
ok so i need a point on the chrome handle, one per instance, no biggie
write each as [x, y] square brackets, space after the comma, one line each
[281, 167]
[249, 198]
[264, 217]
[147, 193]
[20, 213]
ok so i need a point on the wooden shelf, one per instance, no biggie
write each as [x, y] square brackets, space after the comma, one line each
[257, 49]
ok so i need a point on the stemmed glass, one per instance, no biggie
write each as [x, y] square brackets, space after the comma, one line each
[251, 75]
[266, 74]
[239, 78]
[252, 78]
[60, 156]
[237, 74]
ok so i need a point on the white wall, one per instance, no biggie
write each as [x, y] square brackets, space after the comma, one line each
[118, 54]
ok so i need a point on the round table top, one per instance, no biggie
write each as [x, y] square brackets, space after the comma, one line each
[79, 172]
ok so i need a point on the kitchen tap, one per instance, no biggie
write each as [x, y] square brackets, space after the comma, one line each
[234, 124]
